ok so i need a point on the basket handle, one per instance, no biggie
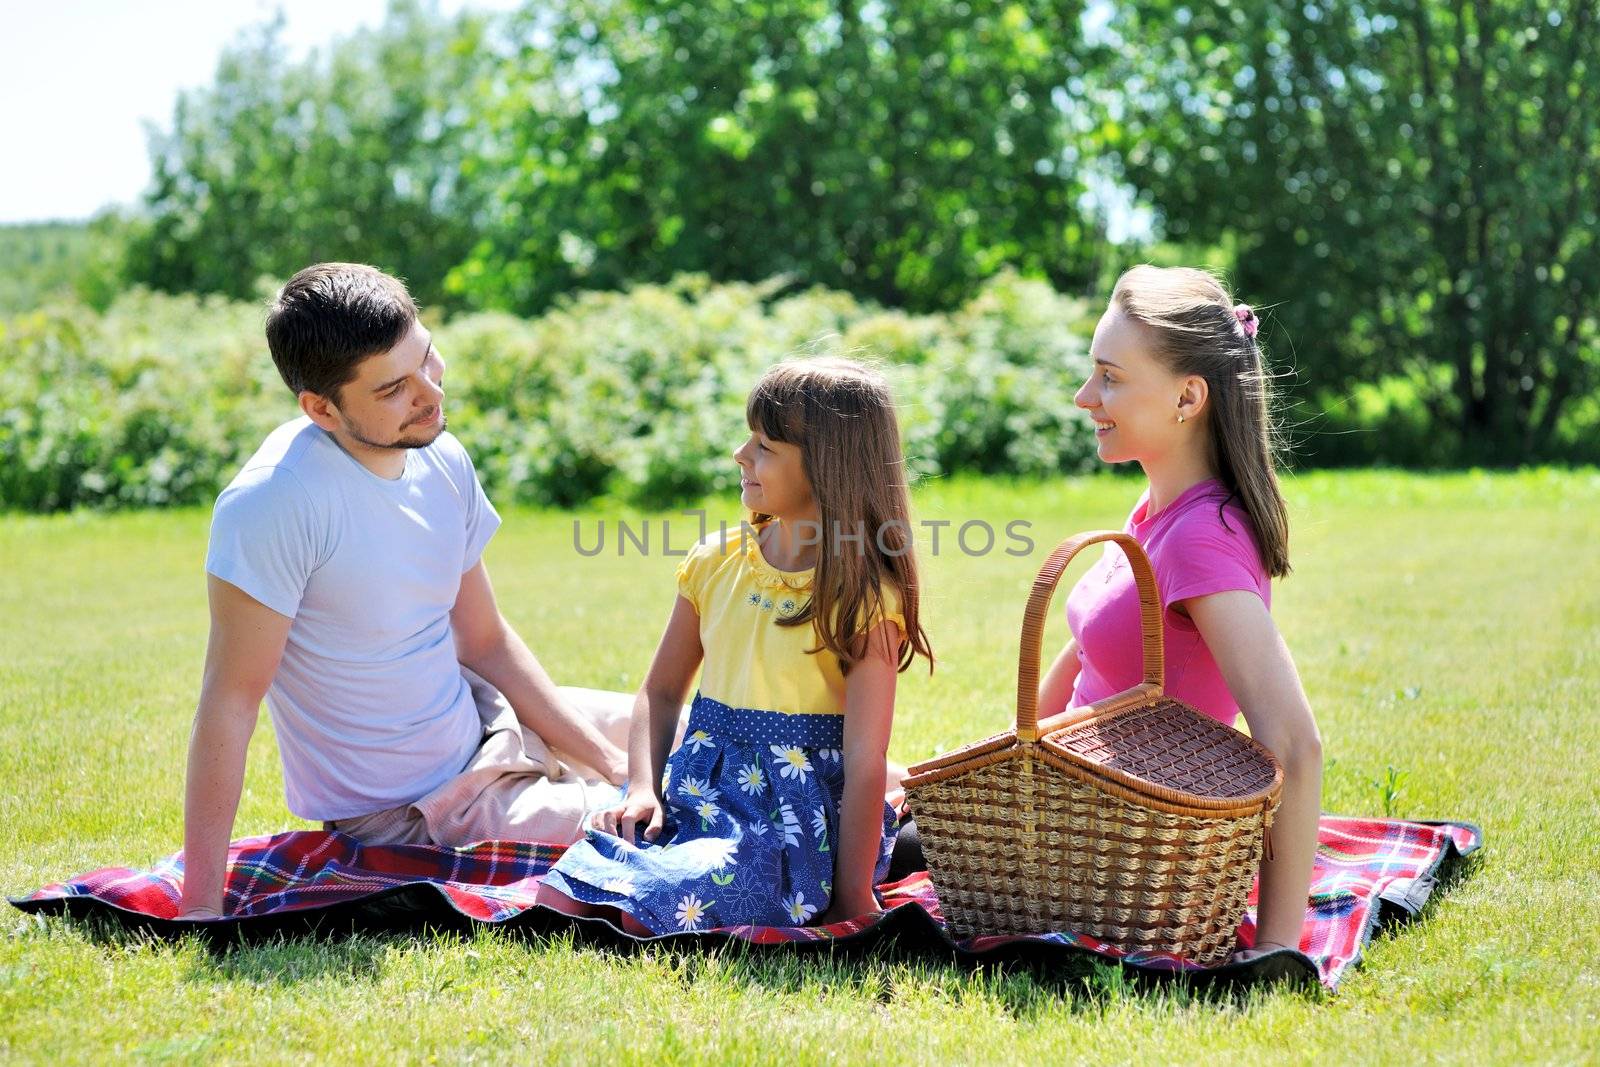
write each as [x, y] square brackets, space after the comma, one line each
[1034, 618]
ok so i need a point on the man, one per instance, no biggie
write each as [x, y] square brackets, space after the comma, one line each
[346, 585]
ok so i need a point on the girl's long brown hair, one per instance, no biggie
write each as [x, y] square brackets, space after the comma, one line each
[841, 415]
[1197, 332]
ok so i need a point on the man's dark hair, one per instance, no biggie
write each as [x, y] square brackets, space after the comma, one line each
[330, 317]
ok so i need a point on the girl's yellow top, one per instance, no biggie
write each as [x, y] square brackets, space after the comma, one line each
[751, 661]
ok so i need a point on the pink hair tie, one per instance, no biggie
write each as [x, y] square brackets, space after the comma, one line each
[1247, 319]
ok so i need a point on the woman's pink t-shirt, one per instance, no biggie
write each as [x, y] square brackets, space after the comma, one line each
[1199, 544]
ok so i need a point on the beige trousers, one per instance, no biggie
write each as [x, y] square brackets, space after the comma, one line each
[514, 787]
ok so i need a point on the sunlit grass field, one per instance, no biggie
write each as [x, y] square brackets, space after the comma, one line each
[1447, 628]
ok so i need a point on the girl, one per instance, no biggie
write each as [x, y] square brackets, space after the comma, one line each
[772, 811]
[1178, 387]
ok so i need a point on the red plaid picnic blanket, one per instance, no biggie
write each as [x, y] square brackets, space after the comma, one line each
[1368, 871]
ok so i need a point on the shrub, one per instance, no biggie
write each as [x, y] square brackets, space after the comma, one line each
[638, 393]
[155, 402]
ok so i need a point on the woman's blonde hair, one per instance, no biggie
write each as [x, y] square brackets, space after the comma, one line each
[840, 414]
[1200, 330]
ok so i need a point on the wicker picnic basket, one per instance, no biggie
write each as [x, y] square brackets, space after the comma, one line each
[1137, 821]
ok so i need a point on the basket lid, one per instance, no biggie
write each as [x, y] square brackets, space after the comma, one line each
[1169, 745]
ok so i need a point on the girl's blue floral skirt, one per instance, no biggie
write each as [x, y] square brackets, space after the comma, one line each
[751, 805]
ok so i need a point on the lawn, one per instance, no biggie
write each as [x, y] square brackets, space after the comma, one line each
[1447, 628]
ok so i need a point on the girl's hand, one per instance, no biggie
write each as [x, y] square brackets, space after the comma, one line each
[638, 807]
[842, 911]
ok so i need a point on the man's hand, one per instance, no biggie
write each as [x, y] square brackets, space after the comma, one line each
[638, 807]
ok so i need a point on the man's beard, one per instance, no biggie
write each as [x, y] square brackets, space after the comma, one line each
[403, 441]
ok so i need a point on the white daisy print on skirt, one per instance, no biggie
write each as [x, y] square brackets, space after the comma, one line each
[799, 910]
[691, 912]
[792, 761]
[789, 824]
[708, 813]
[698, 789]
[752, 779]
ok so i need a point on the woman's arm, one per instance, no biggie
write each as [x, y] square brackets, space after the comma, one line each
[1059, 680]
[868, 719]
[1261, 674]
[655, 719]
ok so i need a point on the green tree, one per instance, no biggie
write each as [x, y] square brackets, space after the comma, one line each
[1412, 184]
[40, 262]
[903, 151]
[359, 153]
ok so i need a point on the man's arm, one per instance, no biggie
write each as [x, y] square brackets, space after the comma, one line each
[486, 643]
[242, 655]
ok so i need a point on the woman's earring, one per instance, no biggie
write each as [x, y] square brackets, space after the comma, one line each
[1180, 416]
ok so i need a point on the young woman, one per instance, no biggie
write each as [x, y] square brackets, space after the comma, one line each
[1178, 386]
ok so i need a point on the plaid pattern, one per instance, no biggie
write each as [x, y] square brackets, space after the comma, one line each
[1367, 870]
[1363, 866]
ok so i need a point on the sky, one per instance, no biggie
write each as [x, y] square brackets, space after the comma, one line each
[80, 78]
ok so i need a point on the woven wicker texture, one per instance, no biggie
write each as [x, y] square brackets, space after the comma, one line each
[1136, 820]
[1173, 750]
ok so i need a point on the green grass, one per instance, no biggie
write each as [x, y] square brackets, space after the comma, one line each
[1447, 626]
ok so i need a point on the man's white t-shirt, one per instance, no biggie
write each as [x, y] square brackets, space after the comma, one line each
[369, 704]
